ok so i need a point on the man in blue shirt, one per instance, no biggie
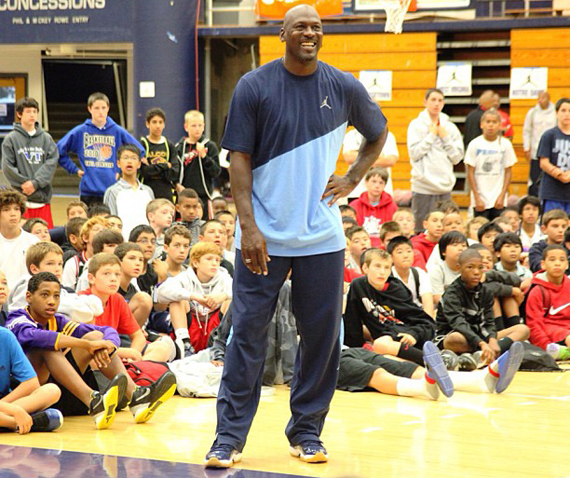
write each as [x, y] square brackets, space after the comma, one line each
[285, 129]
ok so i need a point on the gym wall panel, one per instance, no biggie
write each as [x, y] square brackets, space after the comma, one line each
[548, 47]
[412, 58]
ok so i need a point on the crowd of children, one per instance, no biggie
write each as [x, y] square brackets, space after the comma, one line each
[142, 270]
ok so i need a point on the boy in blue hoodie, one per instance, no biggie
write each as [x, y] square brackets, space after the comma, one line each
[29, 159]
[95, 142]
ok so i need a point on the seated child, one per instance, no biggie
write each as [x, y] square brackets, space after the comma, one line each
[426, 241]
[176, 246]
[529, 230]
[374, 206]
[508, 249]
[405, 218]
[453, 221]
[554, 224]
[128, 197]
[214, 231]
[505, 287]
[188, 207]
[219, 204]
[204, 290]
[106, 273]
[511, 214]
[347, 211]
[229, 221]
[487, 233]
[45, 335]
[443, 273]
[547, 311]
[73, 267]
[392, 229]
[473, 227]
[504, 224]
[145, 237]
[348, 222]
[115, 223]
[23, 408]
[384, 305]
[14, 242]
[37, 227]
[132, 260]
[414, 278]
[72, 246]
[160, 213]
[359, 242]
[98, 209]
[465, 317]
[74, 209]
[105, 241]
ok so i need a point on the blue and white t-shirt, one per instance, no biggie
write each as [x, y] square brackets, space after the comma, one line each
[555, 145]
[13, 362]
[293, 127]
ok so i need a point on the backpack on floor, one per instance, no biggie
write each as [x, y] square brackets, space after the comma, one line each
[146, 372]
[537, 360]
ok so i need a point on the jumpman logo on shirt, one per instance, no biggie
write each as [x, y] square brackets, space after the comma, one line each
[325, 103]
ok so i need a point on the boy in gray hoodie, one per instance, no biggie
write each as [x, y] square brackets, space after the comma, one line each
[29, 159]
[434, 146]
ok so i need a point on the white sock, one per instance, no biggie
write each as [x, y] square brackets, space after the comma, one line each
[409, 387]
[476, 381]
[182, 333]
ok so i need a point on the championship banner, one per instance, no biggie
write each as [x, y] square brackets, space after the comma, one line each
[378, 83]
[277, 9]
[527, 83]
[454, 78]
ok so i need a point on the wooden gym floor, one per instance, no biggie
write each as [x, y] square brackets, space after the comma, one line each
[520, 433]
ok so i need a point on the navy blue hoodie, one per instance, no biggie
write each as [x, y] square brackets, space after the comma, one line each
[97, 151]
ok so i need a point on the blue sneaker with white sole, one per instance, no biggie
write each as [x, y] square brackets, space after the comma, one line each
[509, 364]
[310, 451]
[222, 456]
[437, 369]
[47, 420]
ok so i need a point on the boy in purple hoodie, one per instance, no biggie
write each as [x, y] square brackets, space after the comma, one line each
[45, 335]
[96, 143]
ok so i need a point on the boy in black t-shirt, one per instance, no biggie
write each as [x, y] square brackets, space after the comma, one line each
[161, 168]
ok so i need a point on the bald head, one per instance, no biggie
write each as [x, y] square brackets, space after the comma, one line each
[544, 99]
[486, 99]
[299, 11]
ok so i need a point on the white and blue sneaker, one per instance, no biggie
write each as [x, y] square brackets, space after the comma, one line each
[222, 456]
[47, 420]
[509, 364]
[436, 368]
[310, 451]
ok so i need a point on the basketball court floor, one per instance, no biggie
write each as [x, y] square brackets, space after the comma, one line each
[521, 433]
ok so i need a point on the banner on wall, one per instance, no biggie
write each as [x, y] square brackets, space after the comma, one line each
[378, 83]
[454, 78]
[65, 21]
[527, 83]
[278, 8]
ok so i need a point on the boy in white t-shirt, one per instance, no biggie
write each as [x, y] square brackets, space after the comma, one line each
[489, 159]
[387, 159]
[14, 241]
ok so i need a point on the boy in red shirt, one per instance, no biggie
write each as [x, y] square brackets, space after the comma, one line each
[548, 304]
[426, 241]
[105, 279]
[375, 206]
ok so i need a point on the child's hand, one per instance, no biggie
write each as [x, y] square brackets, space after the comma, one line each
[202, 150]
[101, 358]
[210, 302]
[487, 354]
[22, 418]
[161, 269]
[495, 347]
[499, 203]
[217, 363]
[479, 204]
[144, 160]
[518, 294]
[94, 345]
[407, 339]
[131, 355]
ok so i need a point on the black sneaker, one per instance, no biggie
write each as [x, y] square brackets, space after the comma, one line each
[146, 400]
[222, 456]
[467, 363]
[310, 451]
[450, 359]
[47, 420]
[183, 349]
[103, 405]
